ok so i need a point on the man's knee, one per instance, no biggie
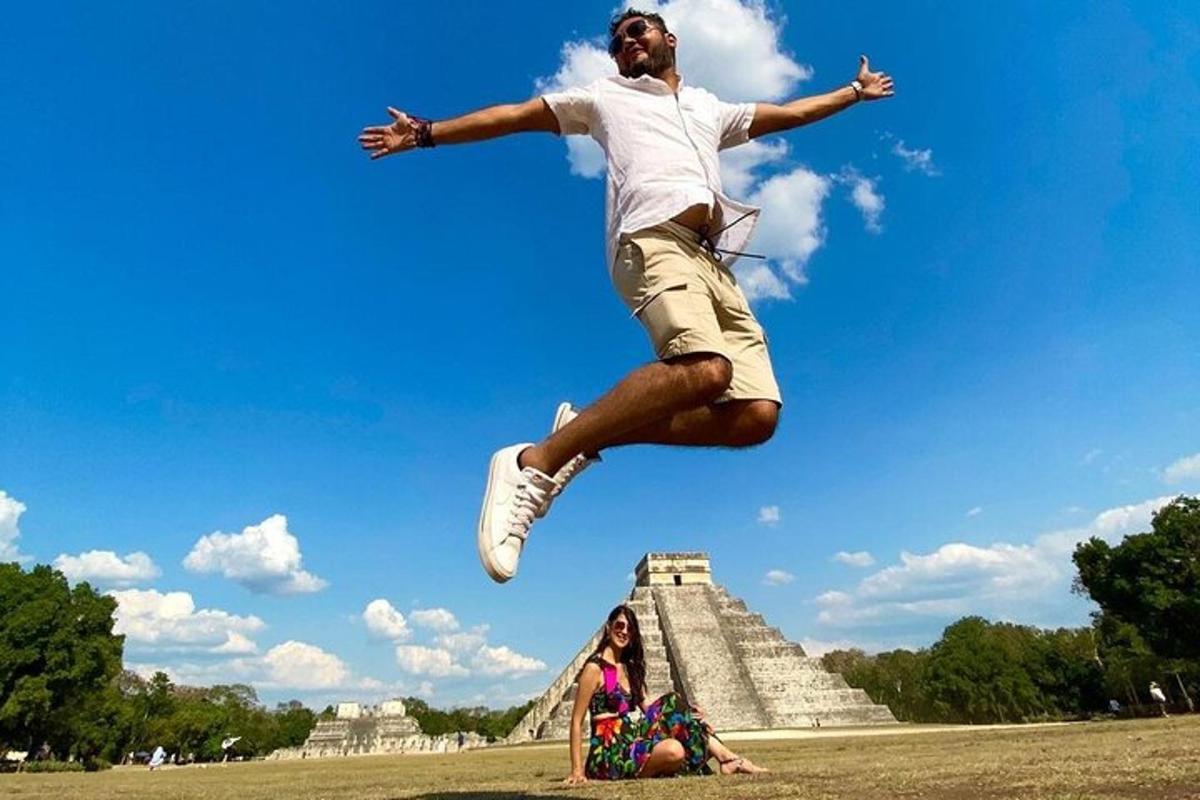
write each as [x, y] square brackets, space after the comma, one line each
[758, 421]
[714, 374]
[711, 375]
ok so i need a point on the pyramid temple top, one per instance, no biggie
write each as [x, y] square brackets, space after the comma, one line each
[388, 708]
[673, 569]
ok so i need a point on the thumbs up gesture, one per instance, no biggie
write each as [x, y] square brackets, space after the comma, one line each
[875, 85]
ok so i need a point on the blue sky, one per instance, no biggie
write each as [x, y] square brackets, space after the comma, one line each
[217, 311]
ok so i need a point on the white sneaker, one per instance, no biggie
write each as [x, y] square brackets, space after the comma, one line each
[510, 503]
[571, 470]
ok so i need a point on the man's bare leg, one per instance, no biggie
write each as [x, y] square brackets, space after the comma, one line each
[736, 423]
[660, 403]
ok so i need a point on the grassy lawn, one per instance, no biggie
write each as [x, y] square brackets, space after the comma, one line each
[1158, 759]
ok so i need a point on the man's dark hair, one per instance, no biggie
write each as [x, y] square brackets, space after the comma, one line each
[655, 19]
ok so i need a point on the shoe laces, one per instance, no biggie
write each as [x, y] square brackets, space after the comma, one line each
[571, 469]
[526, 502]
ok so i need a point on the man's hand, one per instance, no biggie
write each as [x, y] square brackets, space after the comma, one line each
[384, 140]
[876, 85]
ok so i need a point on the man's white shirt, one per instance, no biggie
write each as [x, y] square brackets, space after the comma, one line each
[661, 148]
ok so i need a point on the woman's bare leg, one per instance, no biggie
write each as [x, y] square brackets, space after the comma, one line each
[666, 758]
[730, 762]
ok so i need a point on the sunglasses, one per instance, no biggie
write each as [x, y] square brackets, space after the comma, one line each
[620, 626]
[636, 28]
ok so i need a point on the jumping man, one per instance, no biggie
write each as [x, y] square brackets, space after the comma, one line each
[672, 235]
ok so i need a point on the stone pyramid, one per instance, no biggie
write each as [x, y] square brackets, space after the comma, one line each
[705, 643]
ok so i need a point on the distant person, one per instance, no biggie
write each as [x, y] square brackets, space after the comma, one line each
[1114, 707]
[1156, 694]
[671, 738]
[157, 759]
[462, 739]
[672, 234]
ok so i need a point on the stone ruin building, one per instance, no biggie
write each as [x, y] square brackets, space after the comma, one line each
[703, 642]
[374, 730]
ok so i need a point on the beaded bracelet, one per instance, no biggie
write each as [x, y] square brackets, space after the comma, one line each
[424, 131]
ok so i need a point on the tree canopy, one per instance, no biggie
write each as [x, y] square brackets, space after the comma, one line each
[1151, 580]
[57, 655]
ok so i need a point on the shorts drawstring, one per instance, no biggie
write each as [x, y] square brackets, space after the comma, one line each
[709, 243]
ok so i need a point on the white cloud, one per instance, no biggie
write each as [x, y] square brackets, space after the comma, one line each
[975, 511]
[153, 620]
[11, 510]
[435, 662]
[759, 282]
[790, 227]
[106, 568]
[740, 164]
[504, 661]
[777, 577]
[292, 665]
[1092, 455]
[297, 665]
[769, 515]
[236, 645]
[834, 598]
[463, 642]
[438, 619]
[865, 196]
[1016, 581]
[915, 159]
[730, 48]
[459, 653]
[858, 559]
[1116, 522]
[384, 621]
[1183, 469]
[264, 558]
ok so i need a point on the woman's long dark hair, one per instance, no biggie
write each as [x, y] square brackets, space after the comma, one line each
[633, 657]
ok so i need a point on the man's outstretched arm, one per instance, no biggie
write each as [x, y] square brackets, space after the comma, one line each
[487, 123]
[771, 118]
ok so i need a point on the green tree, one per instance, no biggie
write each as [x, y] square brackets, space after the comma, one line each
[294, 724]
[58, 654]
[1151, 580]
[977, 673]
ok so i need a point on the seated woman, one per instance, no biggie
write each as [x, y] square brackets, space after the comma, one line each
[671, 738]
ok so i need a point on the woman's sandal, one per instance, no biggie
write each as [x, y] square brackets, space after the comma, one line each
[739, 766]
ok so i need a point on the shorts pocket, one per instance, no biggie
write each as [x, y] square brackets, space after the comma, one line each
[680, 320]
[653, 294]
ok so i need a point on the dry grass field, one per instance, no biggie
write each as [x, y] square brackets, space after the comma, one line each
[1154, 759]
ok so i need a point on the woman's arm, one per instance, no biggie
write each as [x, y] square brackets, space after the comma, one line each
[589, 681]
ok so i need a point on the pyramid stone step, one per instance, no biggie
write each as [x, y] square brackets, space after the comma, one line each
[763, 649]
[706, 661]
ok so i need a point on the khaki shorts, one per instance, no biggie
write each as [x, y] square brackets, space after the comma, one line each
[690, 303]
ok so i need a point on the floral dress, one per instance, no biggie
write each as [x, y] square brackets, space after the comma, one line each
[620, 746]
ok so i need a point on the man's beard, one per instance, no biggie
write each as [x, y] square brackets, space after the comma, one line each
[659, 58]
